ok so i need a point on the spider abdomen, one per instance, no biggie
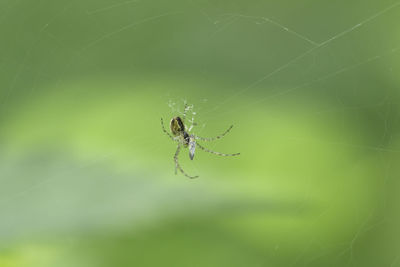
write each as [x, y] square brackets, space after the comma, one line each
[177, 126]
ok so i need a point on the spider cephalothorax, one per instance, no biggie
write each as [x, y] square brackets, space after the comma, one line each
[181, 136]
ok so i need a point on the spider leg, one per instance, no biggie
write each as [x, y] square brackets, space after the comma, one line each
[215, 152]
[165, 131]
[177, 166]
[214, 138]
[185, 109]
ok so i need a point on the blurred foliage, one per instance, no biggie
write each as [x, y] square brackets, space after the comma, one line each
[87, 175]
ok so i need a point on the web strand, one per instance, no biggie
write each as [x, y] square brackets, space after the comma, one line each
[303, 55]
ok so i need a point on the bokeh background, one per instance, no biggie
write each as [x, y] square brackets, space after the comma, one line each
[87, 175]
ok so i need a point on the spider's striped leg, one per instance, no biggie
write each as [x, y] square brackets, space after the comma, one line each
[215, 152]
[185, 109]
[177, 166]
[178, 149]
[165, 131]
[214, 138]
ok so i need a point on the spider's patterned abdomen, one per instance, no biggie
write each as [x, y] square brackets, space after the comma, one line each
[177, 126]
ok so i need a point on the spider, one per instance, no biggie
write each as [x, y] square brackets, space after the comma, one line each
[181, 136]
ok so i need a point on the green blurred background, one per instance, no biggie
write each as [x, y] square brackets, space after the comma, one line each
[87, 175]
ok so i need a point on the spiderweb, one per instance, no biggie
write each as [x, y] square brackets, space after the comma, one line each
[85, 82]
